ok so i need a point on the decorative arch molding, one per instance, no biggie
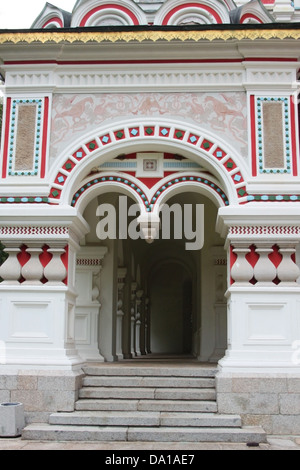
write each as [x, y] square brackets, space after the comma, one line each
[52, 17]
[176, 12]
[101, 12]
[150, 200]
[249, 18]
[54, 22]
[172, 136]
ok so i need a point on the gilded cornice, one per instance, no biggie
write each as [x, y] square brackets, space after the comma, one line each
[30, 37]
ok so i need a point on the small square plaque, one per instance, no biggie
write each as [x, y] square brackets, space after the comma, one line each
[150, 165]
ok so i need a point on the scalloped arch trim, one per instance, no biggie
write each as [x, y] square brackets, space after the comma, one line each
[149, 204]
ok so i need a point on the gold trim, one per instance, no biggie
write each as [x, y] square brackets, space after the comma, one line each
[140, 36]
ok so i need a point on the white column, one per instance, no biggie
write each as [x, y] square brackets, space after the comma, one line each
[10, 271]
[220, 307]
[133, 317]
[147, 326]
[88, 306]
[138, 323]
[120, 314]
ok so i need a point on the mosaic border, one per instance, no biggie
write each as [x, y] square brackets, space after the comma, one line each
[13, 133]
[287, 134]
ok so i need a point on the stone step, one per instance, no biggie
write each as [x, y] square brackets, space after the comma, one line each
[157, 382]
[106, 418]
[106, 405]
[147, 405]
[148, 393]
[167, 434]
[157, 370]
[178, 406]
[144, 419]
[49, 432]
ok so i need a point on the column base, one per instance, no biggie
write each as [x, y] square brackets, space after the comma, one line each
[90, 356]
[264, 330]
[37, 328]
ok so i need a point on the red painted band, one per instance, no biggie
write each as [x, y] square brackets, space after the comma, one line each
[250, 16]
[270, 59]
[6, 137]
[45, 138]
[192, 5]
[294, 136]
[54, 20]
[106, 7]
[253, 135]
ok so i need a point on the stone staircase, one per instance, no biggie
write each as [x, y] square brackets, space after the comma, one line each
[157, 403]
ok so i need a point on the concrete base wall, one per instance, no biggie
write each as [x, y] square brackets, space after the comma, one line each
[270, 401]
[41, 392]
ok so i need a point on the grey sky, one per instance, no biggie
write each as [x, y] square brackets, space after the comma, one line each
[18, 14]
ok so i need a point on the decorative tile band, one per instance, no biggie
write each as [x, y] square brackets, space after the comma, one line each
[180, 165]
[34, 231]
[130, 165]
[88, 262]
[265, 230]
[273, 197]
[24, 200]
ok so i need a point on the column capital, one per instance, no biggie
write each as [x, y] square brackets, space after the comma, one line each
[259, 221]
[91, 256]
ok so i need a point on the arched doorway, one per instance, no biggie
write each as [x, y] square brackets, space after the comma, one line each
[125, 303]
[160, 298]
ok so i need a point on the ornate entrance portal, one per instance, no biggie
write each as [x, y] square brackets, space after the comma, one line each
[93, 130]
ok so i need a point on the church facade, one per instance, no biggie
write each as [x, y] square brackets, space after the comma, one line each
[153, 105]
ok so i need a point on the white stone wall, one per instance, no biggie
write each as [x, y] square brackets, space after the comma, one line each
[41, 392]
[269, 400]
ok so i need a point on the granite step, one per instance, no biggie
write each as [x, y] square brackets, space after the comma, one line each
[141, 381]
[178, 406]
[144, 419]
[146, 405]
[148, 393]
[50, 432]
[106, 418]
[150, 371]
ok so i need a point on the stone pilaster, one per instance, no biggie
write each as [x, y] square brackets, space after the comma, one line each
[88, 306]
